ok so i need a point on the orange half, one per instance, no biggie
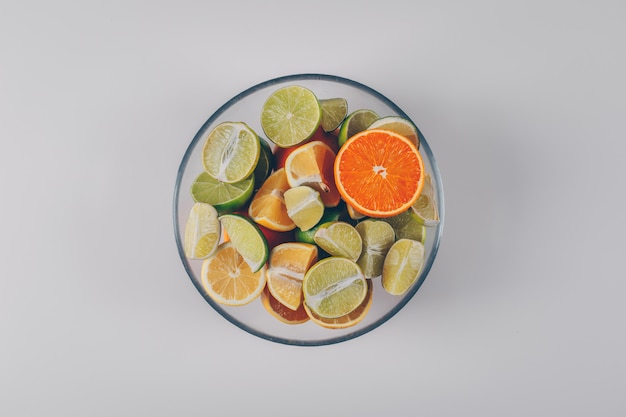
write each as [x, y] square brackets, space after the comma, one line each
[379, 173]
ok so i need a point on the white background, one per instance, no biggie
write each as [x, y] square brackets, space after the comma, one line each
[522, 103]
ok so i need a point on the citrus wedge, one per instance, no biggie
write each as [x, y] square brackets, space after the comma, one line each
[246, 237]
[202, 231]
[228, 279]
[334, 287]
[312, 164]
[267, 207]
[377, 237]
[304, 206]
[351, 319]
[356, 122]
[290, 115]
[281, 312]
[379, 173]
[288, 263]
[339, 239]
[224, 196]
[231, 152]
[330, 214]
[334, 111]
[402, 266]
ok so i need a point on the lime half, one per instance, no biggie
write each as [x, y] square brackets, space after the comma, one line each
[339, 239]
[398, 125]
[334, 111]
[231, 152]
[377, 237]
[224, 196]
[247, 238]
[202, 232]
[402, 266]
[290, 115]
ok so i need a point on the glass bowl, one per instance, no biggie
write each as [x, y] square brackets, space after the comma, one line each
[246, 107]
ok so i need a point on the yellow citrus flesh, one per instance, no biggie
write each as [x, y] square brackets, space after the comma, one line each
[304, 206]
[268, 204]
[402, 266]
[202, 231]
[288, 264]
[351, 319]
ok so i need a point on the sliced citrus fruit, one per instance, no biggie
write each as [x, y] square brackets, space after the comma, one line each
[354, 215]
[290, 115]
[247, 239]
[334, 287]
[356, 122]
[228, 279]
[350, 319]
[334, 111]
[407, 226]
[231, 152]
[281, 312]
[339, 239]
[425, 208]
[267, 207]
[288, 263]
[264, 166]
[224, 196]
[304, 206]
[202, 231]
[312, 164]
[379, 173]
[399, 125]
[330, 214]
[377, 237]
[402, 266]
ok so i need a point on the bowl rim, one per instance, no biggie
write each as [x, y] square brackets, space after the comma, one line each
[436, 176]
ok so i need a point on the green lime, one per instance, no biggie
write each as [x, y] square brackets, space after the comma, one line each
[231, 152]
[334, 111]
[330, 214]
[334, 287]
[356, 122]
[290, 115]
[377, 236]
[402, 266]
[304, 206]
[398, 125]
[265, 166]
[202, 232]
[339, 239]
[247, 238]
[224, 196]
[407, 226]
[425, 208]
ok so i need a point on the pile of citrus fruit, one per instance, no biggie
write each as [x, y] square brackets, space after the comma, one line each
[307, 220]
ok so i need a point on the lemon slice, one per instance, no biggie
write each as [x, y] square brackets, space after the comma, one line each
[304, 206]
[202, 231]
[334, 111]
[247, 238]
[231, 152]
[399, 125]
[377, 237]
[339, 239]
[223, 196]
[290, 115]
[356, 122]
[334, 287]
[425, 208]
[402, 266]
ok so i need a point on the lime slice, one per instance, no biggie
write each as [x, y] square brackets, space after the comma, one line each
[356, 122]
[202, 232]
[334, 287]
[377, 237]
[224, 196]
[231, 152]
[334, 111]
[264, 166]
[407, 226]
[425, 208]
[402, 266]
[330, 214]
[339, 239]
[290, 115]
[304, 206]
[399, 125]
[247, 238]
